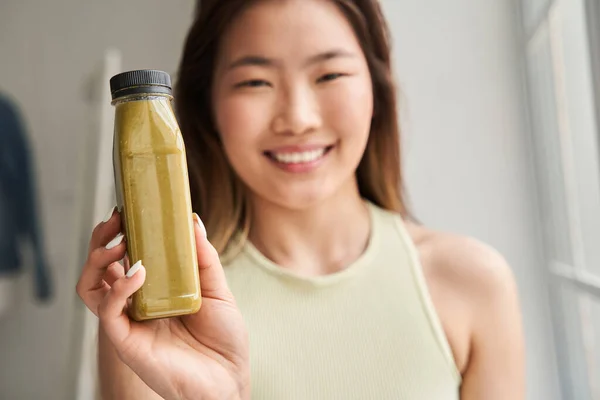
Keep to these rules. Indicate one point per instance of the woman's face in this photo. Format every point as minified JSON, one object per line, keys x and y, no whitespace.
{"x":293,"y":101}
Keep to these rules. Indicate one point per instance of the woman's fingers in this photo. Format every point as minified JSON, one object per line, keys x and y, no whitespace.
{"x":106,"y":230}
{"x":126,"y":264}
{"x":111,"y":310}
{"x":92,"y":287}
{"x":113,"y":272}
{"x":212,"y":277}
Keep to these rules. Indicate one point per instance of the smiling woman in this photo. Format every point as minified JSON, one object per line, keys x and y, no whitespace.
{"x":327,"y":289}
{"x":351,"y":77}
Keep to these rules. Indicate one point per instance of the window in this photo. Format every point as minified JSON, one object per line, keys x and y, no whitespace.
{"x":560,"y":43}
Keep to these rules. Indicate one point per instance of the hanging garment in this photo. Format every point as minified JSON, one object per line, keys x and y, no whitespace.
{"x":18,"y":210}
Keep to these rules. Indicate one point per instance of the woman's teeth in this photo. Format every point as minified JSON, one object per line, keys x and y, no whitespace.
{"x":299,"y":157}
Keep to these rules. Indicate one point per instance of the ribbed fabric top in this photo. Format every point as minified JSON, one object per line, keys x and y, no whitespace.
{"x":369,"y":331}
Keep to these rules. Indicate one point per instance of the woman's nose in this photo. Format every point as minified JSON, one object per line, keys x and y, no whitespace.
{"x":298,"y":114}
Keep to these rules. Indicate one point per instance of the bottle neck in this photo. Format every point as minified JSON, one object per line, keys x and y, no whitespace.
{"x":142,"y":97}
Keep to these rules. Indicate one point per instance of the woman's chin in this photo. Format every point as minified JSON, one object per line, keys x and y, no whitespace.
{"x":298,"y":203}
{"x":299,"y":198}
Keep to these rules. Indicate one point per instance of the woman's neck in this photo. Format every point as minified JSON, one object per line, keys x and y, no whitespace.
{"x":318,"y":240}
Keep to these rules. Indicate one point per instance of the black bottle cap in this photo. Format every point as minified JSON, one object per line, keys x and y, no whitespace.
{"x":140,"y":81}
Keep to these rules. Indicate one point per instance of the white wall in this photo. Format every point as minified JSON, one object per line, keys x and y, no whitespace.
{"x":467,"y":149}
{"x":48,"y":51}
{"x":466,"y":146}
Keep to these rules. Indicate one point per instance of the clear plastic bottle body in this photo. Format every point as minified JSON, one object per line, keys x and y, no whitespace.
{"x":153,"y":195}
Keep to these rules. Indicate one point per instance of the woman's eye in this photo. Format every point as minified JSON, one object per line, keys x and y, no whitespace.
{"x":254,"y":83}
{"x":329,"y":77}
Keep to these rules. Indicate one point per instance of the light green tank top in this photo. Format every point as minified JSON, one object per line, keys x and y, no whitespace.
{"x":367,"y":332}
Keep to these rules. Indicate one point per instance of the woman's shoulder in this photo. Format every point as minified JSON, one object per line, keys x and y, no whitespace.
{"x":464,"y":262}
{"x":471,"y":285}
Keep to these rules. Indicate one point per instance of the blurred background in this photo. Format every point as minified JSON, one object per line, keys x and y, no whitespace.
{"x":500,"y":106}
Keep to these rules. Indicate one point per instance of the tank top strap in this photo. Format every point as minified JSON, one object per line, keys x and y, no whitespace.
{"x":396,"y":235}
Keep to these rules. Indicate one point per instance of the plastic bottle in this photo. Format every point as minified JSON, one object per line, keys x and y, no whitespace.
{"x":153,"y":195}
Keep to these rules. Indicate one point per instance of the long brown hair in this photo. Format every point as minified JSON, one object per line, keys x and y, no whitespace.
{"x":218,"y":194}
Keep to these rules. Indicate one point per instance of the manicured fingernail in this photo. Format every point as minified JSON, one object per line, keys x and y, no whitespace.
{"x":198,"y":221}
{"x":115,"y":242}
{"x":134,"y":268}
{"x":109,"y":215}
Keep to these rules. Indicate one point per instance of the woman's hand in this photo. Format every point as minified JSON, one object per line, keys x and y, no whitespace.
{"x":199,"y":356}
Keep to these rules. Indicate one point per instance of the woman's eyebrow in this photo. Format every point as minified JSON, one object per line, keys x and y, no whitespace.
{"x":253,"y":60}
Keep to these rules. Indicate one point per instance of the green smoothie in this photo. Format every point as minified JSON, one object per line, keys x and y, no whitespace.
{"x":153,"y":195}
